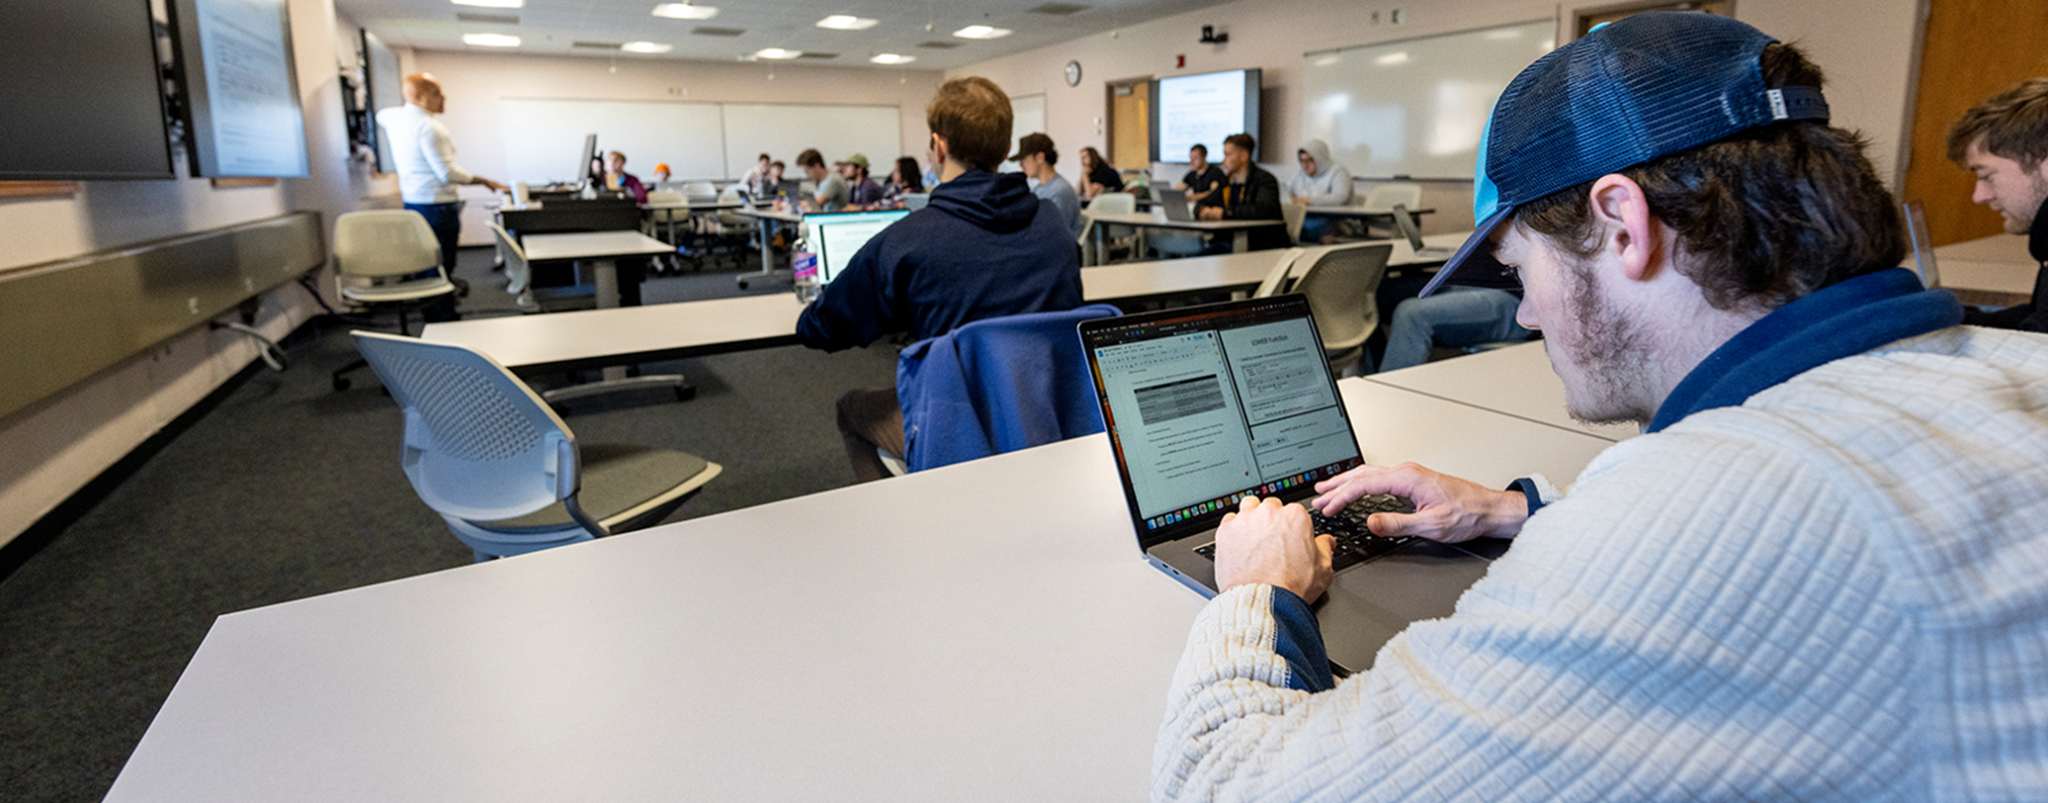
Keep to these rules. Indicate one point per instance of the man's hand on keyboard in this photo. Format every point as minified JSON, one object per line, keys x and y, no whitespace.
{"x":1268,"y":542}
{"x":1447,"y":509}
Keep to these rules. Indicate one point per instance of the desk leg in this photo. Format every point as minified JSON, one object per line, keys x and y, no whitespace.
{"x":767,"y":256}
{"x":606,"y":277}
{"x":1101,"y":244}
{"x":1241,"y":241}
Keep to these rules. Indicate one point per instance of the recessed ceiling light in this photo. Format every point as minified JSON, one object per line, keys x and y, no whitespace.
{"x":891,"y":58}
{"x":981,"y":32}
{"x":685,"y":11}
{"x":646,"y":47}
{"x":846,"y":22}
{"x":490,"y":40}
{"x":776,"y":53}
{"x":491,"y":3}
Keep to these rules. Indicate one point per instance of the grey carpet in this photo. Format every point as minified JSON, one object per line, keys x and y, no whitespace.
{"x":288,"y":489}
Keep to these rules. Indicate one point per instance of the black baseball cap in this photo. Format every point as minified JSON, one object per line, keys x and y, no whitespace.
{"x":1647,"y":86}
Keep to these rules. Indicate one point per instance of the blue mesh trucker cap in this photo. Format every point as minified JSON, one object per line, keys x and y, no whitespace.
{"x":1647,"y":86}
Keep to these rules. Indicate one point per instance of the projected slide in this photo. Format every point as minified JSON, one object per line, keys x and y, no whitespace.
{"x":246,"y":119}
{"x":1200,"y":109}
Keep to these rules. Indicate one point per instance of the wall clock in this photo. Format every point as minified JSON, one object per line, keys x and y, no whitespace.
{"x":1073,"y":73}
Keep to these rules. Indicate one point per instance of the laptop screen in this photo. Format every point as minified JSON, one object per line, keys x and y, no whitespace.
{"x":1923,"y":248}
{"x":1406,"y":223}
{"x":1205,"y":405}
{"x":837,"y":236}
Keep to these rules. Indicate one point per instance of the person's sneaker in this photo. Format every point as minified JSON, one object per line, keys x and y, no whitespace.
{"x":526,"y":302}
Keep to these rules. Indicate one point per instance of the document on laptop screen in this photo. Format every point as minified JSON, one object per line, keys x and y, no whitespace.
{"x":841,"y":238}
{"x":1290,"y":403}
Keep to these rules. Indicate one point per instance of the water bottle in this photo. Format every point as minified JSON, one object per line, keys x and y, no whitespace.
{"x":804,"y":275}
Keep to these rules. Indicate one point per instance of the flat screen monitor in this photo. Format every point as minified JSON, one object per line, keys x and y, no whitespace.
{"x":241,"y":89}
{"x":385,"y":90}
{"x":582,"y":173}
{"x":837,"y":236}
{"x":88,"y":71}
{"x":1203,"y":109}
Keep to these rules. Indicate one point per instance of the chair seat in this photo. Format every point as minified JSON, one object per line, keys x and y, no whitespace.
{"x":401,"y":291}
{"x":621,"y":483}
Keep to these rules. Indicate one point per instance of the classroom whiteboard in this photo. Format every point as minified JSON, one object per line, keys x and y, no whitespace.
{"x":1415,"y":108}
{"x":1027,"y":116}
{"x":836,"y":131}
{"x":544,"y":138}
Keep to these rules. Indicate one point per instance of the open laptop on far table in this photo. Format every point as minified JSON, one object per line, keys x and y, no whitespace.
{"x":1175,"y":204}
{"x":1406,"y":223}
{"x":837,"y":236}
{"x":1923,"y":246}
{"x":1205,"y":405}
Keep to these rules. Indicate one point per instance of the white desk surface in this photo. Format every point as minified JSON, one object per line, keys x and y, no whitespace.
{"x":839,"y":646}
{"x":771,"y":213}
{"x":1516,"y":381}
{"x":1348,"y":210}
{"x":686,"y":205}
{"x":591,"y":245}
{"x":1157,"y":219}
{"x":1996,"y":264}
{"x":563,"y":339}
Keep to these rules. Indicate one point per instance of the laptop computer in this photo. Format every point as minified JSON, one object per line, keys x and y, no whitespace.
{"x":1175,"y":203}
{"x":1923,"y":246}
{"x":836,"y":236}
{"x":1205,"y":405}
{"x":1406,"y":223}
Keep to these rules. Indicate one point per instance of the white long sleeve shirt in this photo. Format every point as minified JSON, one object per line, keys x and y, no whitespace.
{"x":1837,"y":590}
{"x":424,"y":155}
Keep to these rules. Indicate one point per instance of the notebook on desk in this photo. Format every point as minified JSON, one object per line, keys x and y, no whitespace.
{"x":1206,"y":405}
{"x":836,"y":236}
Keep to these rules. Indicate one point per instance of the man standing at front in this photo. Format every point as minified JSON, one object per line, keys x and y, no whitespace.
{"x":2004,"y":143}
{"x":983,"y":247}
{"x":427,"y":173}
{"x":1820,"y":572}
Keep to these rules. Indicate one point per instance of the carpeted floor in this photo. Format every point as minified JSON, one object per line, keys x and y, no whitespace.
{"x":287,"y":489}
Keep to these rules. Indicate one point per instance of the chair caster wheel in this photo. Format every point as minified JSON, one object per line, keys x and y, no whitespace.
{"x":340,"y":384}
{"x":686,"y":393}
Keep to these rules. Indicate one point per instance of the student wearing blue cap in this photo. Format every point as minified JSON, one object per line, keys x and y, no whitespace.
{"x":1817,"y":575}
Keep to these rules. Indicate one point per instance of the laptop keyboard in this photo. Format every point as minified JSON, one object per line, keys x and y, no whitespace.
{"x":1355,"y":543}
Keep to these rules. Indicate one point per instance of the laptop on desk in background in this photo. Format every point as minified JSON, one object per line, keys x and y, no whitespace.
{"x":1175,"y":204}
{"x":836,"y":236}
{"x":1206,"y":405}
{"x":1406,"y":223}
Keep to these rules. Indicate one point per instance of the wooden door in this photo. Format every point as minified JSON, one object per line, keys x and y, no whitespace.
{"x":1973,"y":49}
{"x":1130,"y":124}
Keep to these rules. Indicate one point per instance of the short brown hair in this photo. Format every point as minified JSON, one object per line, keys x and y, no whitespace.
{"x":1765,"y":216}
{"x":1199,"y":147}
{"x":974,"y":117}
{"x":2013,"y":125}
{"x":810,"y":158}
{"x":1038,"y":143}
{"x":1243,"y":142}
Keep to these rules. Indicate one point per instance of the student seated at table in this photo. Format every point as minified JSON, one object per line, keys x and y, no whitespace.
{"x":616,"y":179}
{"x":757,"y":177}
{"x":1453,"y":318}
{"x":1097,"y":176}
{"x":1248,"y":193}
{"x":861,"y":192}
{"x":1322,"y":182}
{"x":2004,"y":143}
{"x":1819,"y":574}
{"x":831,"y":195}
{"x":903,"y":180}
{"x":983,"y":247}
{"x":1203,"y":176}
{"x":1036,"y":155}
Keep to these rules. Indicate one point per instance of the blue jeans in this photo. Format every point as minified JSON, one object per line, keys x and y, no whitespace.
{"x":446,"y":221}
{"x":1457,"y":316}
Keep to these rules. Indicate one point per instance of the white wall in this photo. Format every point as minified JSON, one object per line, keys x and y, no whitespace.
{"x":1865,"y":46}
{"x":57,"y":445}
{"x":475,"y":81}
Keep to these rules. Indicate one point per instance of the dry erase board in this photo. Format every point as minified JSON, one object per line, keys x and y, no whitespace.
{"x":544,"y":137}
{"x":783,"y":131}
{"x":1415,"y":107}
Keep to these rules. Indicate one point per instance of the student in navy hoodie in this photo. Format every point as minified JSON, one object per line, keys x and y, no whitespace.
{"x":984,"y":247}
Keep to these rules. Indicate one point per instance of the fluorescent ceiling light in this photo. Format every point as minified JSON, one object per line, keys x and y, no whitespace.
{"x":490,"y":40}
{"x":646,"y":47}
{"x":685,"y":11}
{"x":776,"y":53}
{"x":491,"y":3}
{"x":891,"y":58}
{"x":846,"y":22}
{"x":981,"y":32}
{"x":1392,"y":59}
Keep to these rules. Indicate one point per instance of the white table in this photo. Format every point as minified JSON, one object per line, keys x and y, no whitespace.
{"x":665,"y":211}
{"x":839,"y":646}
{"x":1516,"y":380}
{"x":566,"y":341}
{"x":602,"y":249}
{"x":767,"y":255}
{"x":1999,"y":264}
{"x":1156,"y":219}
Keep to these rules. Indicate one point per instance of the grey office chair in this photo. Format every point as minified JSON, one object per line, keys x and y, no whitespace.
{"x":1295,"y":215}
{"x":1340,"y":285}
{"x":484,"y":451}
{"x":376,"y":252}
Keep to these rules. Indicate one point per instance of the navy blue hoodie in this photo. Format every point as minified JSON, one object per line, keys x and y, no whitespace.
{"x":984,"y":247}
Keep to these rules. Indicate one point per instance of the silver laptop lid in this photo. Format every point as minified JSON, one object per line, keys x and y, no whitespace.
{"x":1406,"y":223}
{"x":1923,"y":247}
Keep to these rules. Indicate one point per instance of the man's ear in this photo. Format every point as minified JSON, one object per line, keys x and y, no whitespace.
{"x":939,"y":149}
{"x":1628,"y":231}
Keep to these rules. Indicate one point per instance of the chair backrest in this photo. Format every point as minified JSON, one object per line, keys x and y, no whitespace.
{"x":509,"y":248}
{"x":1114,"y":203}
{"x":1340,"y":286}
{"x":997,"y":385}
{"x":479,"y":444}
{"x":1294,"y":214}
{"x":1276,"y":279}
{"x":666,"y":197}
{"x":1385,"y":196}
{"x":733,"y":193}
{"x":384,"y":242}
{"x":700,"y":189}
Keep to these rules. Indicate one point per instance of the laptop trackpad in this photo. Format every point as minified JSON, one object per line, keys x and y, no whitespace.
{"x":1369,"y":603}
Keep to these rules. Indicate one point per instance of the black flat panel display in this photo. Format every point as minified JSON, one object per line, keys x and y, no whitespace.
{"x":81,"y":97}
{"x":235,"y":61}
{"x":381,"y":73}
{"x":1188,"y":110}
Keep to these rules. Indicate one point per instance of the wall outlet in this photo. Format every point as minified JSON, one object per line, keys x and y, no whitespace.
{"x":1397,"y":16}
{"x":1372,"y":17}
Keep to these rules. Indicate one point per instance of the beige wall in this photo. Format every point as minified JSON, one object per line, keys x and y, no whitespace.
{"x":474,"y":82}
{"x":1865,"y":46}
{"x":56,"y":446}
